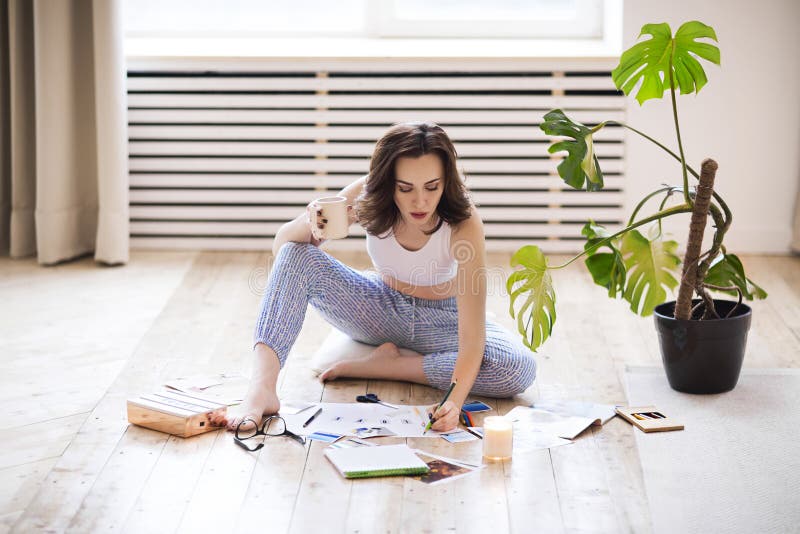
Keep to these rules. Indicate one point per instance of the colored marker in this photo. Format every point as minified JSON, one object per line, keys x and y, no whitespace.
{"x":446,"y":396}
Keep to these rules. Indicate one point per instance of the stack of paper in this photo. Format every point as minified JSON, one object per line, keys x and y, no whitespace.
{"x":560,"y":419}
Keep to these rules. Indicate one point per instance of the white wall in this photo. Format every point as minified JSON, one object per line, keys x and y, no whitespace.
{"x":747,"y":117}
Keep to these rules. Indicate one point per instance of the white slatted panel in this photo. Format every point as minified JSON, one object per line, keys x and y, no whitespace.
{"x":221,"y":156}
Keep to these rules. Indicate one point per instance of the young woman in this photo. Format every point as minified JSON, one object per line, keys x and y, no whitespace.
{"x":424,"y":306}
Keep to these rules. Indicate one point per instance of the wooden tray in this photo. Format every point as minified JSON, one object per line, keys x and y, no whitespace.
{"x":174,"y":412}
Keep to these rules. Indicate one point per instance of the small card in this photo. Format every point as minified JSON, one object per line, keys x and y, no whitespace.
{"x":442,"y":470}
{"x":459,"y":435}
{"x":475,"y":406}
{"x":649,"y":419}
{"x":325,"y":437}
{"x":373,"y":432}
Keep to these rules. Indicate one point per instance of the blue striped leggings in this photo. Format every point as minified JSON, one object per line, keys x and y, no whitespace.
{"x":361,"y":305}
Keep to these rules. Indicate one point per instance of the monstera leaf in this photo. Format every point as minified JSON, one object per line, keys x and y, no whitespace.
{"x":537,"y":313}
{"x":580,"y":165}
{"x":650,"y":61}
{"x":727,"y":270}
{"x":607,"y":268}
{"x":651,"y":267}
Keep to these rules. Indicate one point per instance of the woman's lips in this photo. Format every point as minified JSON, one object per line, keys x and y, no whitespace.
{"x":418,"y":215}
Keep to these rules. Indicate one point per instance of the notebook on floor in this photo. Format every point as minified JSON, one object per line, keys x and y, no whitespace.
{"x":380,"y":461}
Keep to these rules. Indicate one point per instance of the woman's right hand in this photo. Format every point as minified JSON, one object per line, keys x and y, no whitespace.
{"x":315,"y":222}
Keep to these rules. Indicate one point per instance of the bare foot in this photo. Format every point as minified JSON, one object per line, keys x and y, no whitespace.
{"x":372,"y":366}
{"x":259,"y":401}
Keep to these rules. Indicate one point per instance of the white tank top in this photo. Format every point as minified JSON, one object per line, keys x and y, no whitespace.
{"x":431,"y":265}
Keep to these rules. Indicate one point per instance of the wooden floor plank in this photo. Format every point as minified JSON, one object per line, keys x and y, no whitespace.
{"x":776,"y":320}
{"x":377,"y":503}
{"x":112,"y":495}
{"x":275,"y":482}
{"x":67,"y":394}
{"x":488,"y":486}
{"x":38,"y":441}
{"x":530,"y":484}
{"x":428,"y":508}
{"x":584,"y":495}
{"x":162,"y":500}
{"x":18,"y":486}
{"x":324,"y":495}
{"x":220,"y":488}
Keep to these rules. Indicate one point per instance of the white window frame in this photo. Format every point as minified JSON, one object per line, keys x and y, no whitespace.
{"x":384,"y":20}
{"x":609,"y":44}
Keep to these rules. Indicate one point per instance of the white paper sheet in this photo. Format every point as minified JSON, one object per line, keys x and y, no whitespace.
{"x":600,"y":414}
{"x":345,"y":418}
{"x":225,"y":388}
{"x":527,"y":438}
{"x":553,"y":424}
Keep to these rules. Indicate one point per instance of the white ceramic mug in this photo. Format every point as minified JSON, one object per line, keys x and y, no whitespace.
{"x":334,"y":209}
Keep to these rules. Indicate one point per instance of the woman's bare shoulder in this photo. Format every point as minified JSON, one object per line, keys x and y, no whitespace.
{"x":471,"y":227}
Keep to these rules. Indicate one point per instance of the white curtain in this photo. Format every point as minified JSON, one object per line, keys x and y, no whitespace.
{"x":796,"y":231}
{"x":63,"y":142}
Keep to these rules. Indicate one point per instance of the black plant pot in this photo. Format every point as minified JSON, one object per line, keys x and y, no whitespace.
{"x":703,"y":356}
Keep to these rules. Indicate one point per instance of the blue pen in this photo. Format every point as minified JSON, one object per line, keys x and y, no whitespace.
{"x":312,"y":418}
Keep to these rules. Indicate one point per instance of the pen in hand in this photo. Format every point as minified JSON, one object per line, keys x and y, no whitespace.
{"x":446,"y":396}
{"x":312,"y":417}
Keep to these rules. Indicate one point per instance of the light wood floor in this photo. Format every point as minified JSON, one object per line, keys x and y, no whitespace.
{"x":76,"y":340}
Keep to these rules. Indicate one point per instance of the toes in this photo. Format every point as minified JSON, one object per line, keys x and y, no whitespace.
{"x":233,"y":423}
{"x":326,"y":375}
{"x":219,"y":421}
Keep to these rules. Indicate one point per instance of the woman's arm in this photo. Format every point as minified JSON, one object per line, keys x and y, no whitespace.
{"x":468,"y":246}
{"x":299,"y":230}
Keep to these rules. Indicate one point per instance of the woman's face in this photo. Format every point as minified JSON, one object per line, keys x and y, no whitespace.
{"x":419,"y":183}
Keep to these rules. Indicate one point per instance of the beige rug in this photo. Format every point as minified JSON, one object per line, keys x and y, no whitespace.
{"x":735,"y":467}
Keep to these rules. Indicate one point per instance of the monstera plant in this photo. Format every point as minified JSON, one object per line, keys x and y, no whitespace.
{"x":702,"y":339}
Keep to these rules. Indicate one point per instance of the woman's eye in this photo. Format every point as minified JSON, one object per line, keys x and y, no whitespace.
{"x":432,"y":188}
{"x":405,"y":190}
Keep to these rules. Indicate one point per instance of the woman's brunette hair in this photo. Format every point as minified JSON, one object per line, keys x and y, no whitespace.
{"x":377,"y":211}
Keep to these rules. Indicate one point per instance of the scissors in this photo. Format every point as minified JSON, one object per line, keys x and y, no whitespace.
{"x":371,"y":397}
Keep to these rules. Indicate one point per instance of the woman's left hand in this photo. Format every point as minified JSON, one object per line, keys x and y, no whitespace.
{"x":445,"y":418}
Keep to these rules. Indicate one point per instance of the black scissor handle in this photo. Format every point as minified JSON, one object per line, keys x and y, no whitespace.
{"x":369,"y":397}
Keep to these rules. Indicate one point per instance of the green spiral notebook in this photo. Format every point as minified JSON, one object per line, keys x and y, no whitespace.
{"x":380,"y":461}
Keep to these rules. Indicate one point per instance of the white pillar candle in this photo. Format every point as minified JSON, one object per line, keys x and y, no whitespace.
{"x":497,"y":438}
